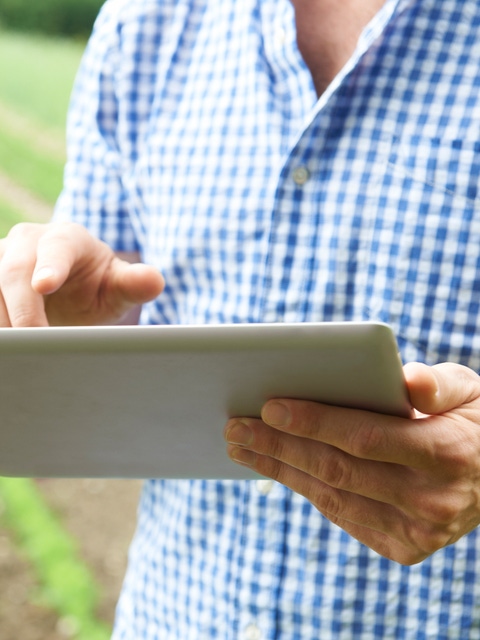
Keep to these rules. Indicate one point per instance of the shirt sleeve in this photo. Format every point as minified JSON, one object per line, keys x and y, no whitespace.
{"x":93,"y":194}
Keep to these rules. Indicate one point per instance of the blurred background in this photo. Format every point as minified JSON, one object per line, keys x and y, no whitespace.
{"x":63,"y":543}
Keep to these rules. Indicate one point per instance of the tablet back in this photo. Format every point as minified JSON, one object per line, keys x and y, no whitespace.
{"x":152,"y":401}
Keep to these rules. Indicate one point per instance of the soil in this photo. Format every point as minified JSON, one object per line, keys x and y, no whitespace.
{"x":101,"y":515}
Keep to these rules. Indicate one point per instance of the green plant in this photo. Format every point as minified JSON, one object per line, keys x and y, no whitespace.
{"x":66,"y":584}
{"x":66,"y":17}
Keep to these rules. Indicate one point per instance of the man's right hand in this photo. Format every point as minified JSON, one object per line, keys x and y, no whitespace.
{"x":59,"y":274}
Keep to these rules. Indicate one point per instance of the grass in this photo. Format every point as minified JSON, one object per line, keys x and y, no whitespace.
{"x":36,"y":78}
{"x":36,"y":75}
{"x":66,"y":584}
{"x":38,"y":172}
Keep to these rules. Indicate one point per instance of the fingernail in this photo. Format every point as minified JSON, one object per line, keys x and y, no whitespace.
{"x":276,"y":414}
{"x":43,"y":273}
{"x":244,"y":456}
{"x":239,"y":433}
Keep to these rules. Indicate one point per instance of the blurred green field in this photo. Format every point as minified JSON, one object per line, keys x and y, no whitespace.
{"x":36,"y":171}
{"x":36,"y":77}
{"x":9,"y":216}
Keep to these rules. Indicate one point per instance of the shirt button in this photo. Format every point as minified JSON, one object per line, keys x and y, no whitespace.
{"x":264,"y":486}
{"x":252,"y":632}
{"x":281,"y":36}
{"x":300,"y":175}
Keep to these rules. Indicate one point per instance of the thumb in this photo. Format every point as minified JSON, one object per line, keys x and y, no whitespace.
{"x":441,"y":388}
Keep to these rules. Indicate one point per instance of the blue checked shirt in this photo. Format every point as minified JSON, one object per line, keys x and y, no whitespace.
{"x":196,"y":138}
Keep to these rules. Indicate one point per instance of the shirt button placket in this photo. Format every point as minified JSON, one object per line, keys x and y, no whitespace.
{"x":264,"y":486}
{"x":281,"y":36}
{"x":252,"y":632}
{"x":300,"y":175}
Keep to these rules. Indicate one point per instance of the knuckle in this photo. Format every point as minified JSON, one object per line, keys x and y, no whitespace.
{"x":275,"y":447}
{"x":366,"y":439}
{"x":23,"y":316}
{"x":12,"y":267}
{"x":439,"y":505}
{"x":271,"y":468}
{"x":65,"y":233}
{"x":424,"y":539}
{"x":328,"y":503}
{"x":22,"y":230}
{"x":442,"y":513}
{"x":61,"y":230}
{"x":453,"y":453}
{"x":17,"y":254}
{"x":410,"y":558}
{"x":467,"y":378}
{"x":335,"y":471}
{"x":433,"y":540}
{"x":311,"y":421}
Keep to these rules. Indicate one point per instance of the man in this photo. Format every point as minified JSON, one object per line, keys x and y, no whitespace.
{"x":281,"y":161}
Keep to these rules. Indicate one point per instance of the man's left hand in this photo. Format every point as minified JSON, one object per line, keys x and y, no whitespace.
{"x":405,"y":488}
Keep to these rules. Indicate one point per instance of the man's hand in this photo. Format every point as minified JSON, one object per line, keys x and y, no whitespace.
{"x":59,"y":274}
{"x":405,"y":488}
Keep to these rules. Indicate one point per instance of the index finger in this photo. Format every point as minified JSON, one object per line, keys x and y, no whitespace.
{"x":61,"y":247}
{"x":362,"y":434}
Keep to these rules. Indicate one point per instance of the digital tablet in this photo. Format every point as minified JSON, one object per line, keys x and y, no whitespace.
{"x":152,"y":401}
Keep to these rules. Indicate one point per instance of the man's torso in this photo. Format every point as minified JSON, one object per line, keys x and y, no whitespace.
{"x":259,"y":202}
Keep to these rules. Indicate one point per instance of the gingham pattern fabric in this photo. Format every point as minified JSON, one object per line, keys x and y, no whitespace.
{"x":196,"y":138}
